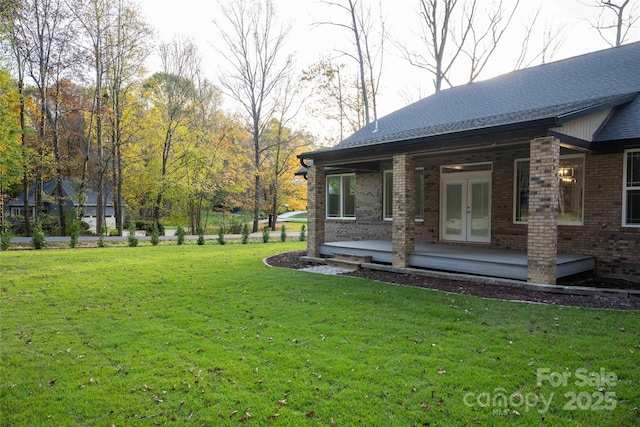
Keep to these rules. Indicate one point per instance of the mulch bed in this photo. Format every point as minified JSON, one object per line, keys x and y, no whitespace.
{"x":293,"y":260}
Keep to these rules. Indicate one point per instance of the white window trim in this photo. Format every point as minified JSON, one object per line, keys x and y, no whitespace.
{"x":626,"y":188}
{"x":341,"y":217}
{"x":385,"y":194}
{"x":515,"y":188}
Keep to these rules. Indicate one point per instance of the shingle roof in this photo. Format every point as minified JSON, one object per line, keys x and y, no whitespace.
{"x":542,"y":92}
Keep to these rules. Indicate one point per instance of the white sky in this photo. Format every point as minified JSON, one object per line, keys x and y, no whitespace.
{"x":194,"y":19}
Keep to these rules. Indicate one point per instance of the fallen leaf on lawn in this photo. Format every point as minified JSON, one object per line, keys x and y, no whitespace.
{"x":441,"y":370}
{"x":283,"y":402}
{"x":274,"y":415}
{"x":310,"y":414}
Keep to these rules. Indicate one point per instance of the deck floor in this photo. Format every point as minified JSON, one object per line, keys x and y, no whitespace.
{"x":484,"y":261}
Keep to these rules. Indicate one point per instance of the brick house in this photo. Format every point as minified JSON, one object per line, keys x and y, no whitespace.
{"x":541,"y":164}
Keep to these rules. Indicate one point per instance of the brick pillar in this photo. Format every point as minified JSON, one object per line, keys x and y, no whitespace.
{"x":542,"y":243}
{"x":403,"y":229}
{"x":316,"y":210}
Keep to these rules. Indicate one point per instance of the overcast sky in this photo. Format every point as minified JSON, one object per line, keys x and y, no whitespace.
{"x":400,"y":81}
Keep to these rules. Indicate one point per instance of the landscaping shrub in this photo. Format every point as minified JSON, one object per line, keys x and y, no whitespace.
{"x":245,"y":234}
{"x":155,"y":234}
{"x":283,"y":234}
{"x":103,"y":232}
{"x":75,"y":233}
{"x":265,"y":234}
{"x":221,"y":235}
{"x":303,"y":233}
{"x":132,"y":239}
{"x":180,"y":233}
{"x":200,"y":236}
{"x":38,"y":241}
{"x":5,"y":238}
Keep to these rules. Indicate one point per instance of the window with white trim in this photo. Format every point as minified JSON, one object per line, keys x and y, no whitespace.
{"x":341,"y":196}
{"x":570,"y":190}
{"x":387,"y":196}
{"x":631,"y":189}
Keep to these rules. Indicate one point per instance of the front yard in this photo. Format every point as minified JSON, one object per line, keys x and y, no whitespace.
{"x":208,"y":335}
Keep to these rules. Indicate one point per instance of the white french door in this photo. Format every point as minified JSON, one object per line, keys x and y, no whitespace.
{"x":466,"y":207}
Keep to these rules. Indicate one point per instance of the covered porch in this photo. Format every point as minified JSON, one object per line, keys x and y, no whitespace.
{"x":503,"y":263}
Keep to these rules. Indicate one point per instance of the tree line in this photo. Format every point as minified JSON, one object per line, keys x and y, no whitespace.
{"x":77,"y":102}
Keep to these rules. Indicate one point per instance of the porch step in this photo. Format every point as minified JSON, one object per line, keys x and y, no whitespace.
{"x":348,"y":261}
{"x":344,"y":263}
{"x":352,"y":257}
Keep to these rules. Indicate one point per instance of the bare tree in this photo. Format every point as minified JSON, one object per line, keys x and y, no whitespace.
{"x":93,"y":16}
{"x":175,"y":88}
{"x":254,"y":46}
{"x":369,"y":49}
{"x":626,"y":16}
{"x":127,"y":48}
{"x":552,"y":39}
{"x":444,"y":41}
{"x":41,"y":46}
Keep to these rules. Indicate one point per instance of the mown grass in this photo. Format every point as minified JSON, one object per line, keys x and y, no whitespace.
{"x":208,"y":335}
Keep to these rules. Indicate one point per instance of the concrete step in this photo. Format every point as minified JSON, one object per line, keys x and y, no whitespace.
{"x":351,"y":257}
{"x":344,"y":263}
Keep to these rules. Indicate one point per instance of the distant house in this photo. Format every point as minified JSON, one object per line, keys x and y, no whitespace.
{"x":532,"y":175}
{"x":70,"y":191}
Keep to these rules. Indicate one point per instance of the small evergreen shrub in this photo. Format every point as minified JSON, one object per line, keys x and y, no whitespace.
{"x":283,"y":234}
{"x":180,"y":233}
{"x":103,"y":232}
{"x":303,"y":233}
{"x":200,"y":236}
{"x":155,"y":235}
{"x":132,"y":239}
{"x":245,"y":234}
{"x":5,"y":238}
{"x":221,"y":235}
{"x":38,"y":241}
{"x":75,"y":233}
{"x":265,"y":234}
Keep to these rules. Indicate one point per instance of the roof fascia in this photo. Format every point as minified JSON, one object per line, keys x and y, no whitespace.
{"x":405,"y":145}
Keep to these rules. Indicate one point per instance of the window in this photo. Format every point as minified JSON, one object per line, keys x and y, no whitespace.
{"x":419,"y":199}
{"x":570,"y":190}
{"x":341,"y":196}
{"x":631,"y":189}
{"x":387,"y":198}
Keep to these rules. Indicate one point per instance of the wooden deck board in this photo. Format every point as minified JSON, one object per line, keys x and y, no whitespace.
{"x":462,"y":259}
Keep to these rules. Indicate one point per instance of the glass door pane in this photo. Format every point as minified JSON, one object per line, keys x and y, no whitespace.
{"x":479,"y":213}
{"x":454,"y":210}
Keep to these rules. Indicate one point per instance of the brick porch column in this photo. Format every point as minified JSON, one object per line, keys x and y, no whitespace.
{"x":542,"y":243}
{"x":403,"y":228}
{"x":316,"y":211}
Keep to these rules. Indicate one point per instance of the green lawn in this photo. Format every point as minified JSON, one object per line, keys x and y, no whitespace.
{"x":208,"y":335}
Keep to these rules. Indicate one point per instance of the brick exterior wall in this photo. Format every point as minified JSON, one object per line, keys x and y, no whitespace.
{"x":616,"y":248}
